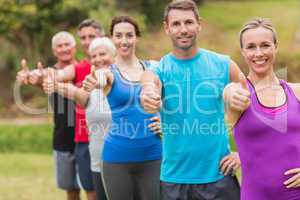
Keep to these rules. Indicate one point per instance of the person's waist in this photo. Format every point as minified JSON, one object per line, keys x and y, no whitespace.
{"x":133,"y":142}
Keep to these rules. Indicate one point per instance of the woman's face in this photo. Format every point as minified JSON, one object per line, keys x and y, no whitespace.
{"x":259,"y":50}
{"x":101,"y":57}
{"x":124,"y":38}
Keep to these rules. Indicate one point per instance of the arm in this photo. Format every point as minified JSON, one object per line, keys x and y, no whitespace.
{"x":151,"y":92}
{"x":72,"y":92}
{"x":234,"y":71}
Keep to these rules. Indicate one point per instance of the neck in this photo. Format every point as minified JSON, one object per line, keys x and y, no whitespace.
{"x":185,"y":53}
{"x":129,"y":61}
{"x":62,"y":64}
{"x":263,"y":80}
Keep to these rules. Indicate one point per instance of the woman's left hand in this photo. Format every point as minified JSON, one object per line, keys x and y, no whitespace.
{"x":294,"y":181}
{"x":230,"y":163}
{"x":155,"y":125}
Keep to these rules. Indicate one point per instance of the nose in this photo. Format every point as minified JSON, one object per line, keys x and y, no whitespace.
{"x":123,"y":40}
{"x":258,"y":51}
{"x":183,"y":28}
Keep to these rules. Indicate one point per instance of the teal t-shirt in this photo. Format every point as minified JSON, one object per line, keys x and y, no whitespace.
{"x":195,"y":135}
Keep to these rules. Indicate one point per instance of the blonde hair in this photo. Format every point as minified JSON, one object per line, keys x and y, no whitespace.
{"x":256,"y":23}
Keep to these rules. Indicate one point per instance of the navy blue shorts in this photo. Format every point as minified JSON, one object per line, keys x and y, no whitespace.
{"x":83,"y":161}
{"x":227,"y":188}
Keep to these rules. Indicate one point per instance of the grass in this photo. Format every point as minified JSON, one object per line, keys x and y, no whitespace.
{"x":26,"y":138}
{"x":28,"y":177}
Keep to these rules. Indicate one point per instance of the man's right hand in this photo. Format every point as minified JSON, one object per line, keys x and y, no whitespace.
{"x":150,"y":98}
{"x":237,"y":95}
{"x":49,"y":84}
{"x":23,"y":75}
{"x":36,"y":75}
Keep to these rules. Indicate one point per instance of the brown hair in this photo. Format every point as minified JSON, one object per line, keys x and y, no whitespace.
{"x":91,"y":23}
{"x":256,"y":23}
{"x":124,"y":19}
{"x":182,"y":5}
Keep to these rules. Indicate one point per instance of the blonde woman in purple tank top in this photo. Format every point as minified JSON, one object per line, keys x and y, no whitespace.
{"x":264,"y":113}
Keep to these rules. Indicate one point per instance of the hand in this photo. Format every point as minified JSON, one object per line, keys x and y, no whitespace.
{"x":49,"y":83}
{"x":155,"y":125}
{"x":150,"y":99}
{"x":23,"y":74}
{"x":90,"y":82}
{"x":229,"y":163}
{"x":294,"y":181}
{"x":36,"y":76}
{"x":238,"y":97}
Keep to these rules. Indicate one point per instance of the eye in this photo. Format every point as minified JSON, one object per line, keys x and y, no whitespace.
{"x":250,"y":47}
{"x":176,"y":24}
{"x":189,"y":22}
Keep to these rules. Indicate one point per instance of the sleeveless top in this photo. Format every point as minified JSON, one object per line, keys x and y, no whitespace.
{"x":269,"y":144}
{"x":129,"y":138}
{"x":98,"y":119}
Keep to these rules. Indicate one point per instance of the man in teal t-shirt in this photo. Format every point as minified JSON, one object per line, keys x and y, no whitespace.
{"x":187,"y":88}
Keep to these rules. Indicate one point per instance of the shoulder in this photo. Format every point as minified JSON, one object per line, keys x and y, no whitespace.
{"x":296,"y":89}
{"x":214,"y":55}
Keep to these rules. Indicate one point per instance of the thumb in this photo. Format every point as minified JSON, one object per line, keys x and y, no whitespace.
{"x":243,"y":81}
{"x":24,"y":65}
{"x":40,"y":65}
{"x":93,"y":73}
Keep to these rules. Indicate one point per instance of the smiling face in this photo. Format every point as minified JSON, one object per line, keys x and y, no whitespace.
{"x":259,"y":50}
{"x":86,"y":35}
{"x":64,"y":50}
{"x":125,"y":39}
{"x":182,"y":27}
{"x":101,"y":57}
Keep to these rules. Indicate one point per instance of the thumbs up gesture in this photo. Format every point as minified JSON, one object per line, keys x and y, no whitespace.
{"x":49,"y":81}
{"x":23,"y":75}
{"x":237,"y":95}
{"x":36,"y":76}
{"x":90,"y":80}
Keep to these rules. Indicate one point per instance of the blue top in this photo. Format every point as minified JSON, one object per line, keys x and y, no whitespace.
{"x":129,"y":139}
{"x":195,"y":135}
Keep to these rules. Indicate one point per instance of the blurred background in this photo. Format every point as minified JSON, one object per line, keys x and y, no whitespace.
{"x":26,"y":28}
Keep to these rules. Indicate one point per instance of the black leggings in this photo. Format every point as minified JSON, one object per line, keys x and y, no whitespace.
{"x":98,"y":186}
{"x":132,"y":181}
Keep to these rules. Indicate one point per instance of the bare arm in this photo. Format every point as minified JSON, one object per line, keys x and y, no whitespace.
{"x":151,"y":92}
{"x":72,"y":92}
{"x":234,"y":71}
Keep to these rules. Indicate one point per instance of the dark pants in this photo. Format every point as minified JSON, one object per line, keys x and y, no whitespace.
{"x":98,"y":186}
{"x":227,"y":188}
{"x":127,"y":181}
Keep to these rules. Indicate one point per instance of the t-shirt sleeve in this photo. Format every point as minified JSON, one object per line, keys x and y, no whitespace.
{"x":156,"y":68}
{"x":224,"y":63}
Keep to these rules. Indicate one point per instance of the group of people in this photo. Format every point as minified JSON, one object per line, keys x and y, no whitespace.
{"x":133,"y":129}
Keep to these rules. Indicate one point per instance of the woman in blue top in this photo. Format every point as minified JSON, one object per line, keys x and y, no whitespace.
{"x":131,"y":152}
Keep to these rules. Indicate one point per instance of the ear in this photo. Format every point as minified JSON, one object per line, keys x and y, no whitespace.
{"x":199,"y":26}
{"x":167,"y":31}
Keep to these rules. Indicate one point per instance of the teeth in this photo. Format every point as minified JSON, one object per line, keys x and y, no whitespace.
{"x":259,"y":62}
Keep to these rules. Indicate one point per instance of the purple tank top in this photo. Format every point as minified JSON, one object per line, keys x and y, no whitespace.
{"x":269,"y":144}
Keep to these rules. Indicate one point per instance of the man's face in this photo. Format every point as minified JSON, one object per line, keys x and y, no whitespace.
{"x":86,"y":35}
{"x":182,"y":27}
{"x":64,"y":50}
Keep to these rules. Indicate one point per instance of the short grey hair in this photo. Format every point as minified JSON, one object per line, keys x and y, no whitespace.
{"x":104,"y":41}
{"x":63,"y":35}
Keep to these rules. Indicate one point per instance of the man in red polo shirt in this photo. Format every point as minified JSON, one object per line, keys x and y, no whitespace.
{"x":87,"y":31}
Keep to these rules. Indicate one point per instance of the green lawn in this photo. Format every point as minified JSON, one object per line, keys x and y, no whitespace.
{"x":25,"y":176}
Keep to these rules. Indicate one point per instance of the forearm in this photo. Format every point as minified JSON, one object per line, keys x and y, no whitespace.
{"x":67,"y":90}
{"x":81,"y":97}
{"x":149,"y":79}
